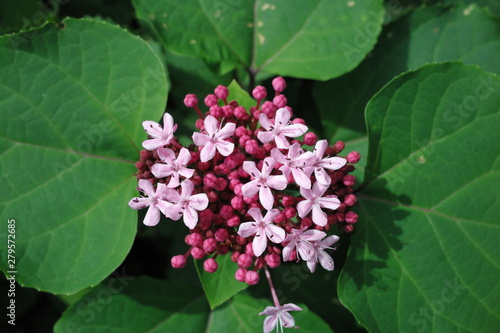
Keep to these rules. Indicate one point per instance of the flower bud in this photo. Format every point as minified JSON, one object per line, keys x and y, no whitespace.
{"x":210,"y":100}
{"x":252,"y":278}
{"x":178,"y":261}
{"x":279,"y":84}
{"x":353,"y":157}
{"x":190,"y":100}
{"x":259,"y":93}
{"x":210,"y":265}
{"x":221,"y":92}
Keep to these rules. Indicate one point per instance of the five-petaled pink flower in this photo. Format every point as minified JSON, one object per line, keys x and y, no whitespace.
{"x":173,"y":167}
{"x":280,"y":129}
{"x":302,"y":241}
{"x":155,"y":201}
{"x":214,"y":139}
{"x":314,"y":201}
{"x":279,"y":316}
{"x":263,"y":228}
{"x":320,"y":164}
{"x":262,"y":182}
{"x":294,"y":163}
{"x":321,"y":255}
{"x":185,"y":204}
{"x":159,"y":136}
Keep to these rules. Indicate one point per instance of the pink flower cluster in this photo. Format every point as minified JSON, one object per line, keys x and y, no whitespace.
{"x":255,"y":183}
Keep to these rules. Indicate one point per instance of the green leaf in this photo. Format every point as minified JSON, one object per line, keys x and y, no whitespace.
{"x":127,"y":304}
{"x":242,"y":312}
{"x":421,"y":37}
{"x":73,"y":98}
{"x":317,"y":39}
{"x":426,"y":255}
{"x":220,"y":285}
{"x":23,"y":15}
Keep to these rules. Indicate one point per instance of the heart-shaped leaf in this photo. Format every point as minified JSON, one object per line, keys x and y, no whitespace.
{"x":317,"y":39}
{"x":426,"y":255}
{"x":73,"y":98}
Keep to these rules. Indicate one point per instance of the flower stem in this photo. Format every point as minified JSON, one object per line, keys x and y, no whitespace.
{"x":271,"y":286}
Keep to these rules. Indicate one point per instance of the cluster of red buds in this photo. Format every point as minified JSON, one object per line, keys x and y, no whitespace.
{"x":255,"y":184}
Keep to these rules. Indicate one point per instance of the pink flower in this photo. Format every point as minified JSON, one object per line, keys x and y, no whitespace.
{"x":263,"y":228}
{"x":155,"y":201}
{"x":315,"y":201}
{"x":330,"y":163}
{"x":262,"y":182}
{"x":185,"y":204}
{"x":294,"y":163}
{"x":301,"y":241}
{"x":159,"y":136}
{"x":280,"y":129}
{"x":214,"y":139}
{"x":279,"y":316}
{"x":173,"y":167}
{"x":321,"y":255}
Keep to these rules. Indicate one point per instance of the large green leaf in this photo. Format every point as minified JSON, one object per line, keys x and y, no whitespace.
{"x":73,"y":98}
{"x":317,"y":39}
{"x":220,"y":285}
{"x":423,"y":36}
{"x":426,"y":255}
{"x":128,"y":304}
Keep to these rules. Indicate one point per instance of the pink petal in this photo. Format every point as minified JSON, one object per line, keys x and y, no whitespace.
{"x":184,"y":157}
{"x":330,"y":240}
{"x":287,"y":250}
{"x":268,"y":166}
{"x":294,"y":130}
{"x":266,"y":137}
{"x":301,"y":178}
{"x":304,"y":207}
{"x":322,"y":177}
{"x":250,"y":189}
{"x":266,"y":197}
{"x":269,"y":311}
{"x":265,"y":122}
{"x":152,"y":128}
{"x":256,"y":214}
{"x":140,"y":203}
{"x":270,"y":323}
{"x":200,"y":139}
{"x":333,"y":163}
{"x":287,"y":319}
{"x":226,"y":131}
{"x":152,"y":144}
{"x":320,"y":148}
{"x":168,"y":123}
{"x":247,"y":229}
{"x":318,"y":216}
{"x":190,"y":217}
{"x":275,"y":233}
{"x":278,"y":156}
{"x":161,"y":170}
{"x":318,"y":189}
{"x":313,"y":235}
{"x":270,"y":215}
{"x":187,"y":187}
{"x":147,"y":188}
{"x":306,"y":193}
{"x":326,"y":261}
{"x":166,"y":155}
{"x":225,"y":147}
{"x":278,"y":182}
{"x":198,"y":201}
{"x":330,"y":202}
{"x":207,"y":152}
{"x":306,"y":250}
{"x":186,"y":173}
{"x":259,"y":244}
{"x":175,"y":212}
{"x":211,"y":125}
{"x":281,"y":141}
{"x":291,"y":307}
{"x":250,"y":168}
{"x":311,"y":264}
{"x":164,"y":207}
{"x":282,"y":116}
{"x":174,"y":180}
{"x":172,"y":195}
{"x":152,"y":216}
